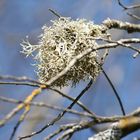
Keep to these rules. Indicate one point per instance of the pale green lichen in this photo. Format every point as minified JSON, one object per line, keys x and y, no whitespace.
{"x":59,"y":44}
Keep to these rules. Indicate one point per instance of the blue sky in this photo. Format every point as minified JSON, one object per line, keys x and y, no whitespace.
{"x":20,"y":18}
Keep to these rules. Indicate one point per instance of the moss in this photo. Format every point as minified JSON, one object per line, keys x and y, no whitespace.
{"x":59,"y":44}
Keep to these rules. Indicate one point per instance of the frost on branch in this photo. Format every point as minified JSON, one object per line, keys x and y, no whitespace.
{"x":59,"y":44}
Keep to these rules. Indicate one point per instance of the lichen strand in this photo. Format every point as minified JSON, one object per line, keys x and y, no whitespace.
{"x":59,"y":44}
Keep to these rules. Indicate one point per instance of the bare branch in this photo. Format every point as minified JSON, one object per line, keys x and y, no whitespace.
{"x":133,"y":6}
{"x":21,"y":106}
{"x":119,"y":129}
{"x":61,"y":129}
{"x":80,"y":104}
{"x":41,"y":104}
{"x":21,"y":119}
{"x":120,"y":3}
{"x":130,"y":7}
{"x":20,"y":83}
{"x":19,"y":79}
{"x":59,"y":115}
{"x":30,"y":82}
{"x":115,"y":91}
{"x":129,"y":27}
{"x":55,"y":13}
{"x":133,"y":15}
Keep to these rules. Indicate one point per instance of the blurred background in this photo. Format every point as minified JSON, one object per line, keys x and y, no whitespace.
{"x":19,"y":19}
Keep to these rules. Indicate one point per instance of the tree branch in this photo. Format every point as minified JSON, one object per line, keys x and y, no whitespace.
{"x":129,"y":27}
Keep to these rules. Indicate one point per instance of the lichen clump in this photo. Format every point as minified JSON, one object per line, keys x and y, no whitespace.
{"x":59,"y":44}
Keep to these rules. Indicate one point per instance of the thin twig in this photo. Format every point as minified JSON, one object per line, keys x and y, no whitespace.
{"x":80,"y":104}
{"x":21,"y":119}
{"x":126,"y":43}
{"x":20,"y":83}
{"x":136,"y":112}
{"x":133,"y":6}
{"x":11,"y":114}
{"x":115,"y":91}
{"x":19,"y":79}
{"x":130,"y":7}
{"x":120,"y":3}
{"x":59,"y":115}
{"x":55,"y":13}
{"x":129,"y":27}
{"x":56,"y":132}
{"x":133,"y":15}
{"x":21,"y":106}
{"x":41,"y":104}
{"x":30,"y":82}
{"x":75,"y":128}
{"x":113,"y":88}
